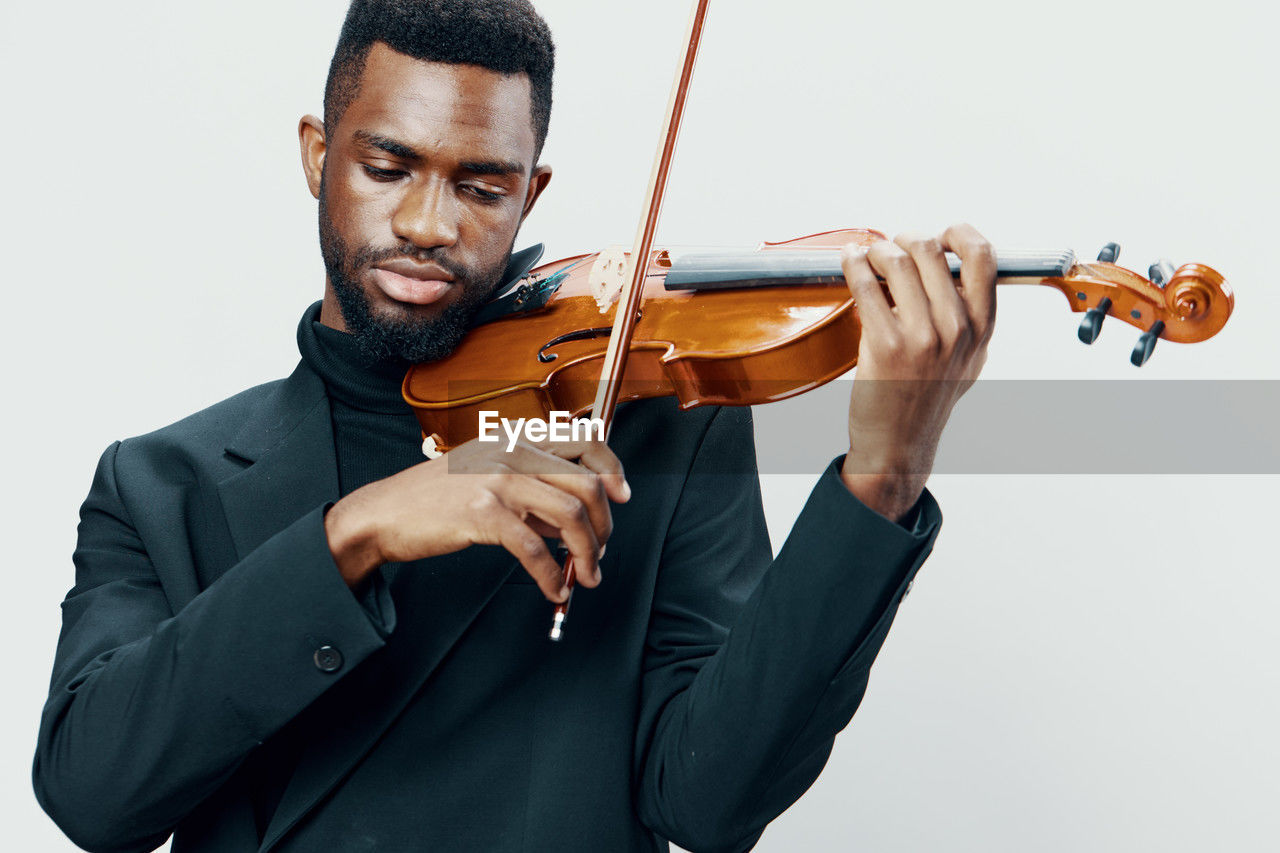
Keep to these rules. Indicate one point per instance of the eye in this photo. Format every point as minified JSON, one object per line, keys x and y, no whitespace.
{"x":382,"y":174}
{"x":482,"y":194}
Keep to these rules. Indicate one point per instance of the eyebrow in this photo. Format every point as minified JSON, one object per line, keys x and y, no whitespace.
{"x":387,"y":144}
{"x":405,"y":152}
{"x":493,"y":167}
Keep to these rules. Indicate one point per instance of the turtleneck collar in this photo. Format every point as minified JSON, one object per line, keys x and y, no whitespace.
{"x":348,"y":373}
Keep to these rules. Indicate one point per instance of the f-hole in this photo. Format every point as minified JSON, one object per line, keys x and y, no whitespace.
{"x":580,"y":335}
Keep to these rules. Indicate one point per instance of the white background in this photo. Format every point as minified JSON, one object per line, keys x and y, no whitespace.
{"x":1086,"y":663}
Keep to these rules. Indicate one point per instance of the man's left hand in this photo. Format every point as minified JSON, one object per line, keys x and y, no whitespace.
{"x":915,"y":358}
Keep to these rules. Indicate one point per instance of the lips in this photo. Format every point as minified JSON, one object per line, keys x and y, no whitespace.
{"x":417,"y":285}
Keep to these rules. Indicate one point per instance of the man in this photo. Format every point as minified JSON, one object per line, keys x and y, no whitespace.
{"x":289,"y":633}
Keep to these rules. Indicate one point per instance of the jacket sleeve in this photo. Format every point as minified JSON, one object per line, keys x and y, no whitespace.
{"x":752,"y":668}
{"x":150,"y":710}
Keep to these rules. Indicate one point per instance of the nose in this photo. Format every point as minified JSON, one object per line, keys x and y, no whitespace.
{"x":427,"y":216}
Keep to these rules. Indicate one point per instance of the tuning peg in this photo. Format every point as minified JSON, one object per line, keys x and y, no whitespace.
{"x":1160,"y":272}
{"x":1146,"y":344}
{"x":1110,"y":253}
{"x":1091,"y":325}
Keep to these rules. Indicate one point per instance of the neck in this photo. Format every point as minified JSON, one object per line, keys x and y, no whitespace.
{"x":748,"y":268}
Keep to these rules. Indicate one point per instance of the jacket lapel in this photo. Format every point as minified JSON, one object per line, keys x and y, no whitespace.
{"x":293,"y":469}
{"x":289,"y":443}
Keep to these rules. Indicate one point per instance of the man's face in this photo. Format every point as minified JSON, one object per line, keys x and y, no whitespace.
{"x":422,"y":187}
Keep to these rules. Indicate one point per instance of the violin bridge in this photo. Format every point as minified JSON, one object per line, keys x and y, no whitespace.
{"x":607,"y":276}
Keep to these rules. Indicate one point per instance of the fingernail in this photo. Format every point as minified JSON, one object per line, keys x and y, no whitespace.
{"x":564,"y":593}
{"x":598,"y":576}
{"x":626,"y":490}
{"x":602,"y":550}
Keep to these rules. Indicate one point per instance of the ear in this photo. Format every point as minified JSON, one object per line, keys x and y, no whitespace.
{"x":537,"y":183}
{"x":312,"y":145}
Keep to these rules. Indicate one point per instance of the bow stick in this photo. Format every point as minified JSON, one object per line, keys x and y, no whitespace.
{"x":628,"y":303}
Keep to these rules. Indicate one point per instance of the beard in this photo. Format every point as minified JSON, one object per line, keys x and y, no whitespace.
{"x":407,"y":338}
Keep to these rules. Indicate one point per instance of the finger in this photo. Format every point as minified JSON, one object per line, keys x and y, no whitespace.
{"x":527,"y":546}
{"x":581,"y":482}
{"x":603,"y":461}
{"x":561,"y":553}
{"x":546,"y":531}
{"x":896,"y":267}
{"x":564,"y":513}
{"x":873,"y":308}
{"x":596,"y":456}
{"x":977,"y":275}
{"x":572,"y":450}
{"x":948,"y":310}
{"x":935,"y":275}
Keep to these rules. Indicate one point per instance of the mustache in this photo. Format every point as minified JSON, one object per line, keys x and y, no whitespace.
{"x":368,"y":256}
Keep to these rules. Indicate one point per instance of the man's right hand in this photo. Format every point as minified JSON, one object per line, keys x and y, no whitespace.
{"x":480,"y":494}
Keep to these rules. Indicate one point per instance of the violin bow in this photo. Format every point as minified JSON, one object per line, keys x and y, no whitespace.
{"x":628,"y":301}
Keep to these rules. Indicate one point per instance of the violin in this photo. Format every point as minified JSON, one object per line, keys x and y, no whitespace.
{"x":589,"y":332}
{"x":741,"y":328}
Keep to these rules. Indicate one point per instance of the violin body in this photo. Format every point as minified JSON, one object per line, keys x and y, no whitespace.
{"x":735,"y":345}
{"x":728,"y":347}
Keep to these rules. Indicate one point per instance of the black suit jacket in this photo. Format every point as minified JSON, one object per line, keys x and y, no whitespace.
{"x":695,"y":697}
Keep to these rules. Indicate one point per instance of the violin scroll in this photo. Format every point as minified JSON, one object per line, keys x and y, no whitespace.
{"x":1199,"y":297}
{"x":1186,"y":305}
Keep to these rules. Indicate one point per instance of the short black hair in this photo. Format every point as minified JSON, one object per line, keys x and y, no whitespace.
{"x":506,"y":36}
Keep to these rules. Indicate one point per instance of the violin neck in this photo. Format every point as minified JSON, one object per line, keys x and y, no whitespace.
{"x":716,"y":270}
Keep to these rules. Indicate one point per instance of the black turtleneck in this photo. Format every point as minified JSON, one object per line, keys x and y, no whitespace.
{"x":375,"y":433}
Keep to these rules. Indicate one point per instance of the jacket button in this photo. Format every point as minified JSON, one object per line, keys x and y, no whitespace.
{"x":328,"y":659}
